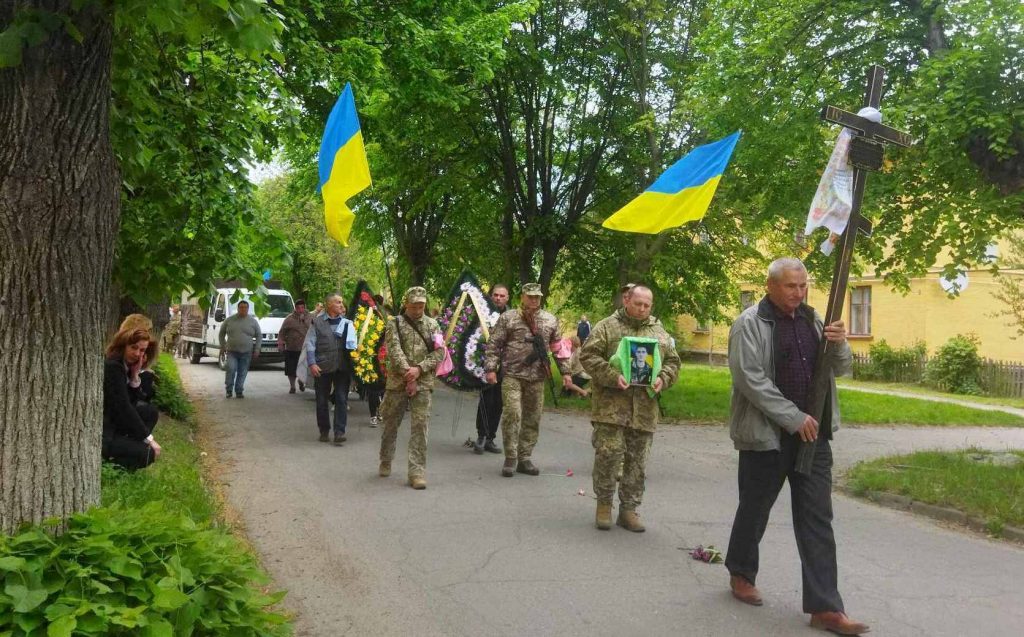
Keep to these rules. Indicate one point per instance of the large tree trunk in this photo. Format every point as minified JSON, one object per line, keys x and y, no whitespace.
{"x":58,"y":221}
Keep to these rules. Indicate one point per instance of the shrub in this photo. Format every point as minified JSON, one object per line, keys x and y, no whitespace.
{"x":132,"y":571}
{"x":170,"y":396}
{"x":956,"y":366}
{"x":893,"y":364}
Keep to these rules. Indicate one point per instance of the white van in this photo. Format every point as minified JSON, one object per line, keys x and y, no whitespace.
{"x":201,"y":329}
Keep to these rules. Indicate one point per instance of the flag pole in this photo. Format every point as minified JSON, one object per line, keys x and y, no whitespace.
{"x":387,"y":271}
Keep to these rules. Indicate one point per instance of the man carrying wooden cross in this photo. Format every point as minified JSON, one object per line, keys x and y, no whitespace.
{"x":783,"y":371}
{"x":772,"y":351}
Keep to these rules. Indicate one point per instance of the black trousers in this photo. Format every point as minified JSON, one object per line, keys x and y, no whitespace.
{"x":327,"y":386}
{"x":761,"y":474}
{"x":488,"y":412}
{"x":374,"y":397}
{"x":128,"y":452}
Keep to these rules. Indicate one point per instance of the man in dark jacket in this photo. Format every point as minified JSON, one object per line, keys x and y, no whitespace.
{"x":773,"y":347}
{"x":488,"y":411}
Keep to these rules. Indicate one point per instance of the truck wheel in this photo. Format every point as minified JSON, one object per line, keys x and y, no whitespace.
{"x":222,"y":360}
{"x":195,"y":353}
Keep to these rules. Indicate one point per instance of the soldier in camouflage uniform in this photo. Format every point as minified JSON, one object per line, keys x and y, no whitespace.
{"x":624,"y":417}
{"x":172,"y":333}
{"x":522,"y":391}
{"x":412,"y":359}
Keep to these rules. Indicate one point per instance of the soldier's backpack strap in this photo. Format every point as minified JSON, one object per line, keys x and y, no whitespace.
{"x":426,"y":341}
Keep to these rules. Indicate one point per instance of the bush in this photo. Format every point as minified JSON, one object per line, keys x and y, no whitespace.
{"x":170,"y":396}
{"x":956,"y":366}
{"x":120,"y":571}
{"x":893,"y":365}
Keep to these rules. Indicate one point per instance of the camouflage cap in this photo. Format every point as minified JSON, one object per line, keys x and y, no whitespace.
{"x":416,"y":295}
{"x":532,"y":289}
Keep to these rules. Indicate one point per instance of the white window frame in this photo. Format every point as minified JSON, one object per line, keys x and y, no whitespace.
{"x":860,"y":310}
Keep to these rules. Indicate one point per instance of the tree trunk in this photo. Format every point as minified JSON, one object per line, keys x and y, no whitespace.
{"x":58,"y":222}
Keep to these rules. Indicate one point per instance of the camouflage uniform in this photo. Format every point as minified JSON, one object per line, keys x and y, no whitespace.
{"x":406,"y":348}
{"x":624,"y":420}
{"x":171,"y":335}
{"x":522,"y":389}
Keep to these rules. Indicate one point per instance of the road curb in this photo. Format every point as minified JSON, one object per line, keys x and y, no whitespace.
{"x":935,"y":512}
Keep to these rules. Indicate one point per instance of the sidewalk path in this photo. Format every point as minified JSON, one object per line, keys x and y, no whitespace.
{"x":478,"y":554}
{"x":963,"y":402}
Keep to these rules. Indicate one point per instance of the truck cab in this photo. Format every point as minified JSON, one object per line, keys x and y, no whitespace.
{"x":205,"y":341}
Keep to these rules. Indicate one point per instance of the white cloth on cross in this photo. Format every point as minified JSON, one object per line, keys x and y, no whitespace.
{"x":833,"y":200}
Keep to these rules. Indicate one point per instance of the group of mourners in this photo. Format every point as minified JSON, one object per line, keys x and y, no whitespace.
{"x":773,"y":346}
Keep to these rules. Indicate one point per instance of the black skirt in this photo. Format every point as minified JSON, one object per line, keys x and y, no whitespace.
{"x":291,"y":362}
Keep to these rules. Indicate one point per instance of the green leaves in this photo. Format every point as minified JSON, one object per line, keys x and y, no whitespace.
{"x":159,"y":574}
{"x":24,"y":599}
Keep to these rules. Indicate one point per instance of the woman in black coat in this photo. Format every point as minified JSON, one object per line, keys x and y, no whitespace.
{"x":127,"y":423}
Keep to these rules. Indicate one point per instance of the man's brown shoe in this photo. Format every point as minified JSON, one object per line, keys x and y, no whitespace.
{"x":527,"y":467}
{"x":745,"y":591}
{"x":604,"y":516}
{"x":838,"y":623}
{"x":385,"y":468}
{"x":339,"y":440}
{"x":325,"y":438}
{"x":418,"y":482}
{"x":509,"y":468}
{"x":630,"y":521}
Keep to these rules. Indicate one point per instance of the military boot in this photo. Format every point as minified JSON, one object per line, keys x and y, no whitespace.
{"x":385,"y":468}
{"x":527,"y":467}
{"x":629,"y":520}
{"x":478,"y":446}
{"x":604,"y":516}
{"x":509,"y":468}
{"x":418,"y":482}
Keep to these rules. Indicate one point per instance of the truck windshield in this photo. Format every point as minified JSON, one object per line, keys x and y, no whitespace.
{"x":280,"y":306}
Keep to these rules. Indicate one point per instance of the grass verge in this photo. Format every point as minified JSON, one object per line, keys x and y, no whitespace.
{"x":702,"y":395}
{"x":956,"y":479}
{"x":153,"y":559}
{"x":911,"y":388}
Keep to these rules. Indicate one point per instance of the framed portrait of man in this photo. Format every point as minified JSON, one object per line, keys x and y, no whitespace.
{"x":639,"y":359}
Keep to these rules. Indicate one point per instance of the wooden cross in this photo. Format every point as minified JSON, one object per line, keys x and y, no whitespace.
{"x":866,"y":154}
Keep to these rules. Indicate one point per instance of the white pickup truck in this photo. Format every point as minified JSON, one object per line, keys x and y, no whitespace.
{"x":201,"y":328}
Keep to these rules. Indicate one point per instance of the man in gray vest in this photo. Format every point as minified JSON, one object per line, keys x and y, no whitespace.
{"x":330,"y":338}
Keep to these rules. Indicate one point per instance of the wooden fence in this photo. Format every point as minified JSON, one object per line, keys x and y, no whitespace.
{"x":997,"y":378}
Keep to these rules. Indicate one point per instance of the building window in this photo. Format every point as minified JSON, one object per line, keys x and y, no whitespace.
{"x":746,"y":299}
{"x":860,"y":311}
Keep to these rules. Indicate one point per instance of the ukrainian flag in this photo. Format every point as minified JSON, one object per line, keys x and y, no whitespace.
{"x":682,"y":193}
{"x":344,"y":171}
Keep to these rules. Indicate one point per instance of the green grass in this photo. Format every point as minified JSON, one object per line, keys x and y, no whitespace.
{"x":175,"y":479}
{"x":702,"y":395}
{"x":992,"y":493}
{"x":924,"y":391}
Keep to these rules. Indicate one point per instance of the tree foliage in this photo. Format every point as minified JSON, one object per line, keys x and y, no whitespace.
{"x":953,"y":81}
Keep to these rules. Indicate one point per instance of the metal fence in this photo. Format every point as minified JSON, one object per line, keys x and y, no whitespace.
{"x":997,"y":378}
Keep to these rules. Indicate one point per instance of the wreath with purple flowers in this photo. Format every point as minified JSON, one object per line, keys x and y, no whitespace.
{"x":460,"y":323}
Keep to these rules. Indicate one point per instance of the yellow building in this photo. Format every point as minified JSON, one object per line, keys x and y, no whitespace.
{"x":873,"y":311}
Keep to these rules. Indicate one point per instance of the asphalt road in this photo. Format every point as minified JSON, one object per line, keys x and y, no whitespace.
{"x":478,"y":554}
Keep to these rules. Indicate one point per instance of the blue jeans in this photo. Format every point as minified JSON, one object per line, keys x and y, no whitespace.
{"x":237,"y":370}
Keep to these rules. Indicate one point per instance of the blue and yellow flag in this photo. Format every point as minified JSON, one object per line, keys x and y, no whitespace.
{"x":344,"y":171}
{"x":682,"y":193}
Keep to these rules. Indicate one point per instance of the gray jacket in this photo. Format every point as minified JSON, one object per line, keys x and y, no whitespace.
{"x":242,"y":334}
{"x":759,"y":412}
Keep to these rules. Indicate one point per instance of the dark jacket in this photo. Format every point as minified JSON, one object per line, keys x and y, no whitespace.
{"x":120,"y":417}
